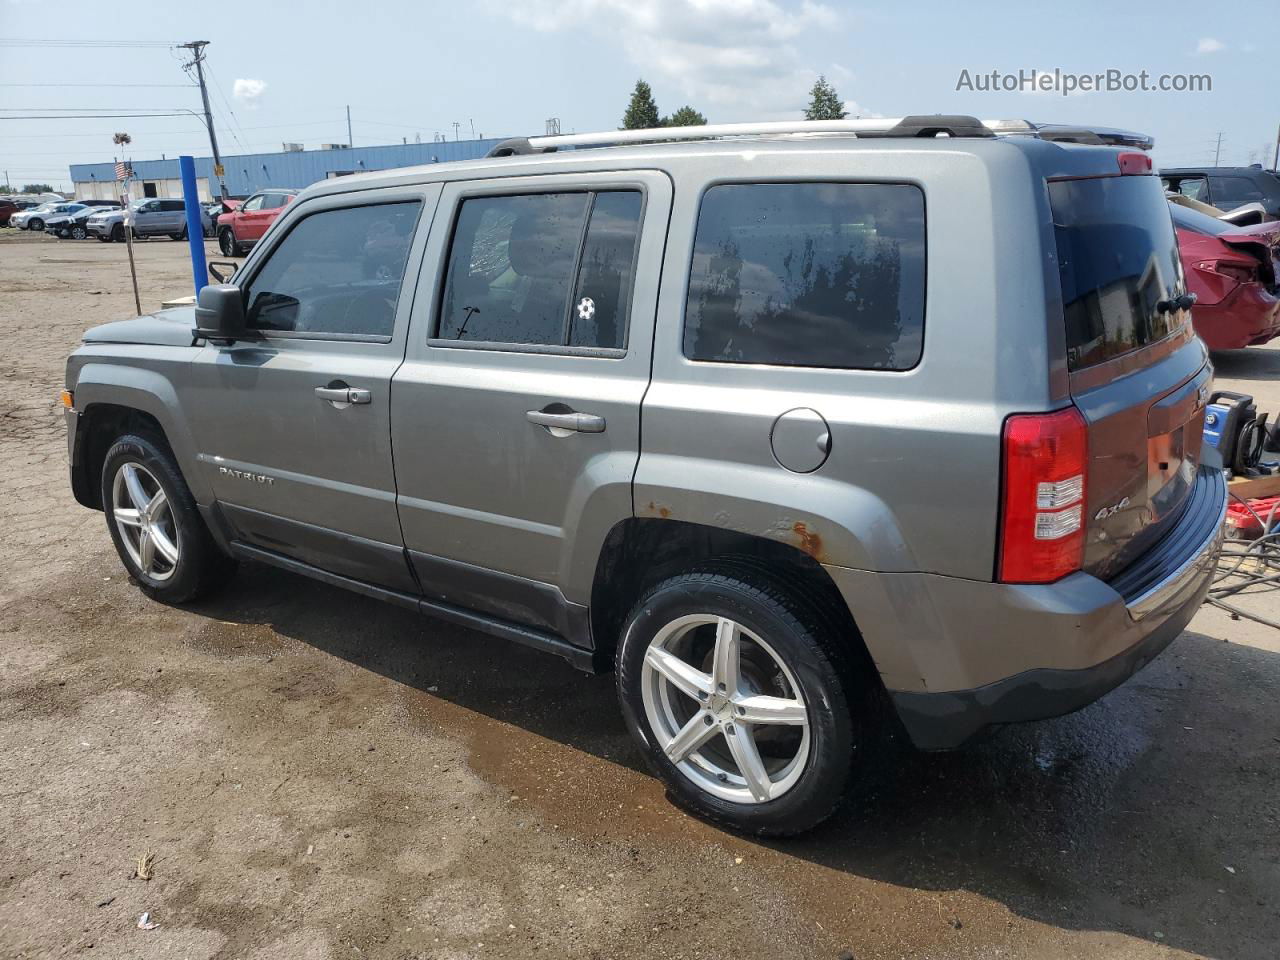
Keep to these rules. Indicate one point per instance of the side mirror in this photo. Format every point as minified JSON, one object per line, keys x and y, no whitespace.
{"x":217,"y":266}
{"x":220,"y":313}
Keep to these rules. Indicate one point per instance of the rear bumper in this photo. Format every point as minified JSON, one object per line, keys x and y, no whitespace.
{"x":1249,"y":315}
{"x":959,"y":656}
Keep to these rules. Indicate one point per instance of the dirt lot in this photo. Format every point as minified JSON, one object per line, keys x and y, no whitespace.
{"x":321,"y":776}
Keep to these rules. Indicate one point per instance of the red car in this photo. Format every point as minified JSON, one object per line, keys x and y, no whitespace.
{"x":244,"y":226}
{"x":1235,"y":274}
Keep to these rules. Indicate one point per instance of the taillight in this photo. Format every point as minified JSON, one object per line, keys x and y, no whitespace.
{"x":1042,"y":509}
{"x":1239,"y":272}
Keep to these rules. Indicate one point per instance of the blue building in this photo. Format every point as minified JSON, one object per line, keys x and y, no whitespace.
{"x":245,"y":173}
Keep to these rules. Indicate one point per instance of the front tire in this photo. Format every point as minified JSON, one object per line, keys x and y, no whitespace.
{"x":154,"y":523}
{"x":736,"y":691}
{"x":36,"y":224}
{"x":227,"y":243}
{"x":79,"y":233}
{"x":117,"y":233}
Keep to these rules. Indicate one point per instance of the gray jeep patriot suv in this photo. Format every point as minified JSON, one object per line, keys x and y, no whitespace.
{"x":780,"y":427}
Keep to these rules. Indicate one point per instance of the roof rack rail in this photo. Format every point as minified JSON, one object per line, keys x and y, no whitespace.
{"x":913,"y":126}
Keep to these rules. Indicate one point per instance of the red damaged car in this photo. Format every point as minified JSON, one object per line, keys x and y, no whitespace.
{"x":1235,"y":274}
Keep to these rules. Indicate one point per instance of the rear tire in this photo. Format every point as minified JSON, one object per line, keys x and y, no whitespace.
{"x":771,"y":740}
{"x":157,"y":530}
{"x":179,"y":236}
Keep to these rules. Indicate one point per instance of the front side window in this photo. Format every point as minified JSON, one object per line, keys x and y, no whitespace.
{"x":336,"y":272}
{"x":808,"y":275}
{"x":551,"y":269}
{"x":253,"y":203}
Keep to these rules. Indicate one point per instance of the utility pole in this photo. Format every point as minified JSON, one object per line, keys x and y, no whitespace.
{"x":1218,"y":150}
{"x":456,"y":125}
{"x":349,"y":141}
{"x":1275,"y":160}
{"x":197,"y":57}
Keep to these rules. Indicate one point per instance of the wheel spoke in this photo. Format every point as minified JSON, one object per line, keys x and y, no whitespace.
{"x":163,"y":545}
{"x":742,"y":745}
{"x":771,"y":710}
{"x":133,"y":484}
{"x":726,"y":663}
{"x":688,"y":679}
{"x":700,"y":728}
{"x":146,"y":551}
{"x":156,"y":504}
{"x":127,"y":516}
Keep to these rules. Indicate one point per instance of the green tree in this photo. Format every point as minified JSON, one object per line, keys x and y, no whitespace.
{"x":37,"y":188}
{"x":686,"y":116}
{"x":824,"y":102}
{"x":642,"y":112}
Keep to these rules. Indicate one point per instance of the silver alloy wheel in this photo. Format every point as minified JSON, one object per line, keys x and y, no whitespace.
{"x":712,"y":705}
{"x":144,"y":516}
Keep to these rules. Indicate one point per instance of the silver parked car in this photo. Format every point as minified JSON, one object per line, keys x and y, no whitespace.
{"x":780,"y":428}
{"x":149,"y":218}
{"x":34,"y":218}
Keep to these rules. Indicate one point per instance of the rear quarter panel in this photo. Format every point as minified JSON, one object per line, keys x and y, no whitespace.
{"x":912,"y":480}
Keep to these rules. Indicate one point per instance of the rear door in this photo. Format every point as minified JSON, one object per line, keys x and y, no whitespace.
{"x":516,"y":416}
{"x":1137,"y":371}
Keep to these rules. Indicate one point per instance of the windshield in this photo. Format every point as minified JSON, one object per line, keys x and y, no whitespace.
{"x":1197,"y":222}
{"x":1119,"y":265}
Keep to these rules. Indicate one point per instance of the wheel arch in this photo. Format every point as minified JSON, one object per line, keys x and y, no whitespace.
{"x":113,"y":400}
{"x":639,"y":552}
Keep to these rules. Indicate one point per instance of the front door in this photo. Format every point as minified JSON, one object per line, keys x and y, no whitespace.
{"x":292,"y":425}
{"x":516,"y":416}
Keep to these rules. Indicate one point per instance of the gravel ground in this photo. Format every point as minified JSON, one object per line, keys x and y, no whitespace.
{"x":319,"y":775}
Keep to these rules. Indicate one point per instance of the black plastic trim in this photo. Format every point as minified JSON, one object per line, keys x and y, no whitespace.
{"x":578,"y":657}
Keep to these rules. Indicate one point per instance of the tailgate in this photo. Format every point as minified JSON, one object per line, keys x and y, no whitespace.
{"x":1138,"y":374}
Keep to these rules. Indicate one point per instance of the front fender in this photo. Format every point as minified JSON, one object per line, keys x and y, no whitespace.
{"x":150,"y":392}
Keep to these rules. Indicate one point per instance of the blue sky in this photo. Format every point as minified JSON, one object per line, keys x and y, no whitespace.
{"x":286,"y":72}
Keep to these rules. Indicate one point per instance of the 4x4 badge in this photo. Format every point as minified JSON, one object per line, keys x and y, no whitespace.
{"x":1112,"y":510}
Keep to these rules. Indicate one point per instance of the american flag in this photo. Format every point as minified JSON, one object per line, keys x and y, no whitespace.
{"x":123,"y":170}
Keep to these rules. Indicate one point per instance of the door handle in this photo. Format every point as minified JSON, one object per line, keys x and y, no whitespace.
{"x":343,"y":394}
{"x":570,"y":422}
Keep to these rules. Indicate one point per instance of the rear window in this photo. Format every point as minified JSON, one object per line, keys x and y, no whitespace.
{"x":808,"y":275}
{"x":1117,"y":258}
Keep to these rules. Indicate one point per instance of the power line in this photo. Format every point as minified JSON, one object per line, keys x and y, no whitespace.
{"x":93,"y":116}
{"x":19,"y":42}
{"x":90,"y":84}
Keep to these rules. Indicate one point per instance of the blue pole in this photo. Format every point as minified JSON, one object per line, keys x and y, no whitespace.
{"x":195,"y":223}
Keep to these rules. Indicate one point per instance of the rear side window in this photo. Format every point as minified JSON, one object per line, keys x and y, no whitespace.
{"x":336,"y":272}
{"x":549,"y":269}
{"x":1117,"y":260}
{"x":1233,"y":190}
{"x":808,"y":275}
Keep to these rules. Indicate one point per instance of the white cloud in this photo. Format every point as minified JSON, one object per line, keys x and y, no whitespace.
{"x":248,"y":91}
{"x":735,"y":58}
{"x":1210,"y":45}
